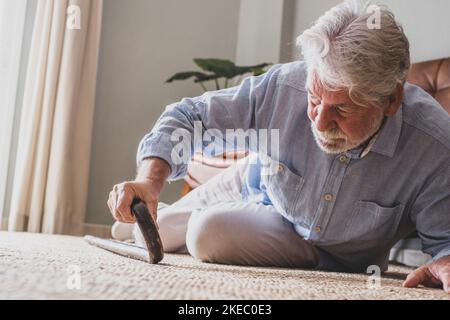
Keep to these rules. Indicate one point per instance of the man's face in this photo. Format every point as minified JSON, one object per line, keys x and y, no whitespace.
{"x":337,"y":123}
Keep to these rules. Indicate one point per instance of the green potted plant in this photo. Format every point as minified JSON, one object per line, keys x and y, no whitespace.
{"x":215,"y":70}
{"x":220,"y":71}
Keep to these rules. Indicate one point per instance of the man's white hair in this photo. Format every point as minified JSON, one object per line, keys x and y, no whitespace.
{"x":344,"y":53}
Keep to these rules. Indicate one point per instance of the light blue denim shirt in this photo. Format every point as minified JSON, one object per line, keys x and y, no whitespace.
{"x":352,"y":208}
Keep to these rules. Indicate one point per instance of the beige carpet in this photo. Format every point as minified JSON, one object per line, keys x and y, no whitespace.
{"x":36,"y":266}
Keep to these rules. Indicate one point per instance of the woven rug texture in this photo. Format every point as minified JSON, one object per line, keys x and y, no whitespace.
{"x":38,"y":266}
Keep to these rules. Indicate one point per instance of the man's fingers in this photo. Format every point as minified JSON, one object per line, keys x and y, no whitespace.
{"x":446,"y":286}
{"x":422,"y":276}
{"x":415,"y":278}
{"x":445,"y":278}
{"x":112,"y":205}
{"x":124,"y":200}
{"x":442,"y":272}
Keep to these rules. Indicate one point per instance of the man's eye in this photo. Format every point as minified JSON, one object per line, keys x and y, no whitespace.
{"x":344,"y":109}
{"x":314,"y":100}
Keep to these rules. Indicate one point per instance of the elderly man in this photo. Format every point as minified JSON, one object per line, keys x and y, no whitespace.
{"x":364,"y":160}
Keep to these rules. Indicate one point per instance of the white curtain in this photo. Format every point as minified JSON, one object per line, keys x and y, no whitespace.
{"x":52,"y":166}
{"x":12,"y":25}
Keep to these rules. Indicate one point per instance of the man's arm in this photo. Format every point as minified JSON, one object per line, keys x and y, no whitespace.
{"x":431,"y":214}
{"x":223,"y":109}
{"x":233,"y":108}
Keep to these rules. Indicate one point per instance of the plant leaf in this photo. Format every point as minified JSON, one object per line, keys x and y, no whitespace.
{"x":207,"y":78}
{"x":227,"y":69}
{"x":186,"y":75}
{"x":256,"y":69}
{"x":220,"y":67}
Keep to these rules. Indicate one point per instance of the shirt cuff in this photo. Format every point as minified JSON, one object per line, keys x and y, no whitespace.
{"x":442,"y":253}
{"x":159,"y":145}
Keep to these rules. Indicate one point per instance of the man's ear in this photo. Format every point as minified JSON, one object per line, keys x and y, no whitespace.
{"x":395,"y":101}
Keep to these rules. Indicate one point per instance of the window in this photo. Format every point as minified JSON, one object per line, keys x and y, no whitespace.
{"x":12,"y":23}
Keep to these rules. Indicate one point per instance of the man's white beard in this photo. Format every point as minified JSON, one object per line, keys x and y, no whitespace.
{"x":335,"y":141}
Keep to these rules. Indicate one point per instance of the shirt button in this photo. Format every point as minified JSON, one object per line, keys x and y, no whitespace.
{"x":343,"y":158}
{"x":328,"y":197}
{"x":280,"y":168}
{"x":317,"y":229}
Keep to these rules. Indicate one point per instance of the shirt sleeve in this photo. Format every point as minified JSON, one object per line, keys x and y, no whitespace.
{"x":232,"y":108}
{"x":431,"y":215}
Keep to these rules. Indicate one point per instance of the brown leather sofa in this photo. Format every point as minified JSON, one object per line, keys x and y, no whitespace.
{"x":434,"y":77}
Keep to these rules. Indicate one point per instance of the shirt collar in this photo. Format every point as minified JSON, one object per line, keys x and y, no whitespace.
{"x":384,"y":141}
{"x":362,"y":150}
{"x":389,"y":135}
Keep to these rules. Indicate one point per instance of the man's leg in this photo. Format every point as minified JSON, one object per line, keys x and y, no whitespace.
{"x":247,"y":234}
{"x":219,"y":227}
{"x":173,"y":219}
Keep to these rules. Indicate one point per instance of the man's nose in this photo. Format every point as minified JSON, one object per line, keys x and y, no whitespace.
{"x":324,"y":119}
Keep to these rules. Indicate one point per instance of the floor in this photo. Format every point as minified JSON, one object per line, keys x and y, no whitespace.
{"x":36,"y":266}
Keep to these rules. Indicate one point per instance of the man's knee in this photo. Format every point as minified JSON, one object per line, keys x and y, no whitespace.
{"x":209,"y":236}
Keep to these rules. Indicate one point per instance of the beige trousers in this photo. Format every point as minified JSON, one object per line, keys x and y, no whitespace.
{"x":214,"y":224}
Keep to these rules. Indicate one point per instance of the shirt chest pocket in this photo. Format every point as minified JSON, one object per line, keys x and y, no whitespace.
{"x":284,"y":188}
{"x":370,"y":222}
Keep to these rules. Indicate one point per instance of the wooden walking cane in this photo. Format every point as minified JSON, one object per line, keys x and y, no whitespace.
{"x":149,"y":230}
{"x":154,"y":252}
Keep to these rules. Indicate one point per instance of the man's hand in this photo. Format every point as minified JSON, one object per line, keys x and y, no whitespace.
{"x":435,"y":274}
{"x":149,"y":182}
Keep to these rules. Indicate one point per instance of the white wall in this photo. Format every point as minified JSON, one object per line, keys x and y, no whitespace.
{"x":259,"y":32}
{"x":143,"y":43}
{"x":265,"y":31}
{"x":305,"y":13}
{"x":426,"y":24}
